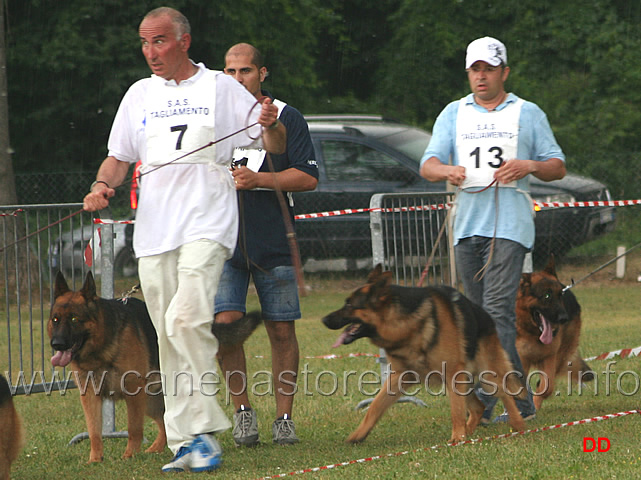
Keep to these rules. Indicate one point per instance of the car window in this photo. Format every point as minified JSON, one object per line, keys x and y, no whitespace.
{"x":349,"y":161}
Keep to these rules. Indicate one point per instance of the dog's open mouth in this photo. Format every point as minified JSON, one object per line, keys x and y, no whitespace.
{"x":348,"y":335}
{"x":547,"y":332}
{"x":62,"y":358}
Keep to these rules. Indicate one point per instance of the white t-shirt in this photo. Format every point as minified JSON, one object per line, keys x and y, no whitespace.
{"x":184,"y":202}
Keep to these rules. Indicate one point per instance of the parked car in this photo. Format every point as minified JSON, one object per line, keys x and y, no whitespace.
{"x":69,"y":251}
{"x":360,"y":155}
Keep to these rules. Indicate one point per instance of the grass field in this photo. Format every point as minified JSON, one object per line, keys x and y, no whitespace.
{"x":404,"y":436}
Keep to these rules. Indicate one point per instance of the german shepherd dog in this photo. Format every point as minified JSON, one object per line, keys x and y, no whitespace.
{"x":548,"y":325}
{"x":11,"y":430}
{"x":112,"y":348}
{"x":424,"y":330}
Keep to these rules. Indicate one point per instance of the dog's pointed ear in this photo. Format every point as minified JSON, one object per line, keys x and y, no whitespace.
{"x":89,"y":288}
{"x":550,"y":268}
{"x":380,"y":289}
{"x":375,"y":274}
{"x":387,"y":278}
{"x":525,"y":283}
{"x":60,"y":286}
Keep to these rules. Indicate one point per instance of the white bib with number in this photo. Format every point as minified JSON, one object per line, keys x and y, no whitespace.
{"x":484,"y":140}
{"x":255,"y":156}
{"x":180,"y":120}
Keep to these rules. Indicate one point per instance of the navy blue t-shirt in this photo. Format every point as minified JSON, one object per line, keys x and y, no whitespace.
{"x":262,"y":237}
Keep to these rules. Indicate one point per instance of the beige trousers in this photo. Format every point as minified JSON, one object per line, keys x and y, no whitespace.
{"x":179,"y":289}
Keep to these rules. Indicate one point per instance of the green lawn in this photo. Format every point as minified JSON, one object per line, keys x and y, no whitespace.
{"x":325,"y":414}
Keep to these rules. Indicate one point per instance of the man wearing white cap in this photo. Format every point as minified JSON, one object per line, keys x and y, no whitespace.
{"x":493,"y":138}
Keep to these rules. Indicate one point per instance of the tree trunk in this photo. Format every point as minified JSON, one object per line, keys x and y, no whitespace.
{"x":7,"y":180}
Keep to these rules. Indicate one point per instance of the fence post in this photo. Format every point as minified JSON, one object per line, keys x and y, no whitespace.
{"x":106,"y":291}
{"x":620,"y":270}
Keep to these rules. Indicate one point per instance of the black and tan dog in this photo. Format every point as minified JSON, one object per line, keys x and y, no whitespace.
{"x":427,"y":330}
{"x":112,"y":349}
{"x":11,"y":430}
{"x":548,"y":324}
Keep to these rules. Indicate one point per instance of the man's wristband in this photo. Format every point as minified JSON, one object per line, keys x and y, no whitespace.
{"x":274,"y":125}
{"x":97,"y":181}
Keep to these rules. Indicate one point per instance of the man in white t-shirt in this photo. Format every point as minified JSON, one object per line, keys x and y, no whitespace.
{"x":493,"y":138}
{"x":187,"y":219}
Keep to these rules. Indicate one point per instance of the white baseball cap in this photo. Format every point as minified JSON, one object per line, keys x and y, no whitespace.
{"x":486,"y":49}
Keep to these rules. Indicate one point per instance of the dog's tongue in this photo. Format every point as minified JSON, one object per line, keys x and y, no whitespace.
{"x":61,"y":359}
{"x":546,"y":337}
{"x":340,"y":340}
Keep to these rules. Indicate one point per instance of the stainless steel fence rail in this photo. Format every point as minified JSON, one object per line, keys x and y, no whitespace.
{"x":37,"y":241}
{"x":405,"y":229}
{"x":30,"y":257}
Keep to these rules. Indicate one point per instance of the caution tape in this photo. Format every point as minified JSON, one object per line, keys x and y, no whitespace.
{"x":432,"y":207}
{"x":623,"y":353}
{"x":108,"y":221}
{"x":442,"y":206}
{"x":585,"y":421}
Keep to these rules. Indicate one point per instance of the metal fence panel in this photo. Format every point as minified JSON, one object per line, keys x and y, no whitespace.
{"x":36,"y":242}
{"x":405,"y":229}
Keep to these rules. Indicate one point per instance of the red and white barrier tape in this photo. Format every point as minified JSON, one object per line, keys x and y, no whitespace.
{"x":623,"y":353}
{"x":458,"y":444}
{"x":442,"y":206}
{"x":106,"y":221}
{"x":437,"y":206}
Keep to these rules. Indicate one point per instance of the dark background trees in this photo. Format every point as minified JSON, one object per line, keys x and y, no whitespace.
{"x":69,"y":63}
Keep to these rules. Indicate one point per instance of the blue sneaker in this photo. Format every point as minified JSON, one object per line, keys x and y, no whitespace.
{"x":206,"y":454}
{"x":203,"y":454}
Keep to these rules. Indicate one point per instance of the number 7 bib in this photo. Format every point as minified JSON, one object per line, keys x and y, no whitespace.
{"x":179,"y":120}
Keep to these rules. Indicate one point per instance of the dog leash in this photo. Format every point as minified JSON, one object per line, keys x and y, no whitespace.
{"x":438,"y":240}
{"x":573,"y":283}
{"x":125,"y":297}
{"x":481,"y":273}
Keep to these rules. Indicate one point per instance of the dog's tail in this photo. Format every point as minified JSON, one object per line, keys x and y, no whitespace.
{"x":13,"y":441}
{"x":237,"y":332}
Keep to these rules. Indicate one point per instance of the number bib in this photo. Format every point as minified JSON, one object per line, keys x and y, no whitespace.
{"x":484,"y":140}
{"x":253,"y":158}
{"x":179,"y":120}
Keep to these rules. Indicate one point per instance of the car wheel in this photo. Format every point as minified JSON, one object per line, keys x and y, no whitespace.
{"x":126,"y":264}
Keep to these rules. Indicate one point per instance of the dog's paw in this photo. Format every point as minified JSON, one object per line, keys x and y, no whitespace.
{"x":355,"y":438}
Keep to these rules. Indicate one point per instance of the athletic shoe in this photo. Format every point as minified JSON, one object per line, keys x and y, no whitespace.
{"x":283,"y":431}
{"x":245,"y":430}
{"x":203,"y":454}
{"x":504,"y":417}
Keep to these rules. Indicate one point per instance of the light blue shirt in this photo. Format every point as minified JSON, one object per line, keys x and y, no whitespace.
{"x":476,"y":214}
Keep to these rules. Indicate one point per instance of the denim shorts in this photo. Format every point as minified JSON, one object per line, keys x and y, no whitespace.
{"x":277,"y":292}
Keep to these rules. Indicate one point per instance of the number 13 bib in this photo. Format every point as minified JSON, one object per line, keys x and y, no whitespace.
{"x":484,"y":140}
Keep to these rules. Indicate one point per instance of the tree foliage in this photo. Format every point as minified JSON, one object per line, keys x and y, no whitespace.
{"x":69,"y":63}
